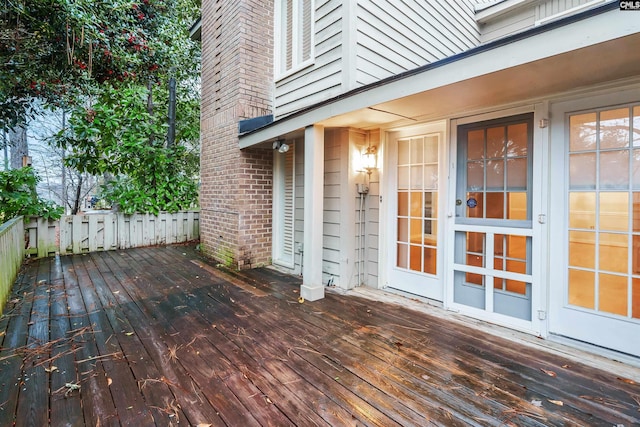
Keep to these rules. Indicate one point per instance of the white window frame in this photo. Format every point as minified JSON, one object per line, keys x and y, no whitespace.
{"x":297,"y":36}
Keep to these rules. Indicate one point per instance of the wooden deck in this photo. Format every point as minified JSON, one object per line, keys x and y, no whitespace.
{"x":154,"y":336}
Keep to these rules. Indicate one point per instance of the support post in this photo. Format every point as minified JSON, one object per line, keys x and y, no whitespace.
{"x":312,"y":288}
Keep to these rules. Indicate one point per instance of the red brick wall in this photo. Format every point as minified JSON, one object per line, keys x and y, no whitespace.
{"x":237,"y":84}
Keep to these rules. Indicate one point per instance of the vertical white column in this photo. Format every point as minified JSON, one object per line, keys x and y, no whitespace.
{"x":312,"y":288}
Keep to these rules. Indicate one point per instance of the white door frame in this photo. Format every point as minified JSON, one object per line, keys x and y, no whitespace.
{"x":537,"y":325}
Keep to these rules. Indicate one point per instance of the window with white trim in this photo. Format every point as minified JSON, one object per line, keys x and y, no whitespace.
{"x":294,"y":34}
{"x":283,"y":207}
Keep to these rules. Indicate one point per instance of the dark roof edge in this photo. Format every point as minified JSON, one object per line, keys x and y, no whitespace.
{"x":454,"y":58}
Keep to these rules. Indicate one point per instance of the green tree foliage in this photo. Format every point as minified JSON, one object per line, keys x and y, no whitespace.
{"x":58,"y":50}
{"x":119,"y":136}
{"x":18,"y":196}
{"x":107,"y":63}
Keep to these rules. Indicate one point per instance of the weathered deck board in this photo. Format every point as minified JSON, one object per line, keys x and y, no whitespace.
{"x":153,"y":338}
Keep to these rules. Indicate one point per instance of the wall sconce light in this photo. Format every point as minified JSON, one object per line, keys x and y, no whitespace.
{"x":281,"y":146}
{"x":369,"y":159}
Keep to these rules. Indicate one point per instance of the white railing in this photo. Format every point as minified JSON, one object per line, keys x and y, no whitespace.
{"x":74,"y":234}
{"x":11,"y":255}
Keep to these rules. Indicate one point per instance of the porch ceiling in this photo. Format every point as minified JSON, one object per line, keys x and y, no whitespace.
{"x":601,"y":63}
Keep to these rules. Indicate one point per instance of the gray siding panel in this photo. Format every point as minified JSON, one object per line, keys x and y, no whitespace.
{"x":395,"y":36}
{"x":332,"y":206}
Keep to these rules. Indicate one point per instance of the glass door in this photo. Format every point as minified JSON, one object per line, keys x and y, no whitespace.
{"x":493,"y":228}
{"x":416,"y":233}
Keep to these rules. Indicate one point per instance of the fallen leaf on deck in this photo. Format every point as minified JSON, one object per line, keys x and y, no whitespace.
{"x":550,"y":373}
{"x":556,"y":402}
{"x":116,"y":292}
{"x":128,"y":334}
{"x":109,"y":382}
{"x":203,"y":425}
{"x":295,"y":291}
{"x":269,"y":400}
{"x":300,"y":300}
{"x":426,"y":377}
{"x":51,"y":369}
{"x":537,"y":403}
{"x":626,"y":380}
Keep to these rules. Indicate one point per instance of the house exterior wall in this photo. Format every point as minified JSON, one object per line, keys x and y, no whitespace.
{"x":527,"y":15}
{"x":359,"y":42}
{"x":393,"y":36}
{"x":236,"y":186}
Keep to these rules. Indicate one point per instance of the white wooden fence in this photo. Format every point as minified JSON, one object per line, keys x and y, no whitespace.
{"x":74,"y":234}
{"x":11,"y":255}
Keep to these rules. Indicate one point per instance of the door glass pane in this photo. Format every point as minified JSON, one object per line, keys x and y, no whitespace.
{"x":495,"y":175}
{"x":403,"y":152}
{"x":614,"y":251}
{"x":475,"y":205}
{"x":431,"y":177}
{"x":582,"y":249}
{"x":495,"y":142}
{"x":430,"y":263}
{"x":582,"y":288}
{"x":517,"y":174}
{"x":582,"y":171}
{"x":636,"y":126}
{"x":475,"y":144}
{"x":416,"y":177}
{"x":403,"y":230}
{"x":475,"y":176}
{"x":614,"y":169}
{"x":403,"y":203}
{"x":517,"y":206}
{"x":431,"y":149}
{"x":636,"y":212}
{"x":403,"y":178}
{"x":416,"y":204}
{"x":612,"y":295}
{"x":495,"y":205}
{"x":635,"y":301}
{"x":614,"y":211}
{"x":635,"y":255}
{"x":635,"y":166}
{"x":614,"y":128}
{"x":517,"y":141}
{"x":403,"y":256}
{"x":582,"y":210}
{"x":582,"y":132}
{"x":417,"y":149}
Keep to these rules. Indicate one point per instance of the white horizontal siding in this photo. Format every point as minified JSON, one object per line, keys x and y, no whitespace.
{"x":398,"y":35}
{"x":527,"y":15}
{"x":332,"y":207}
{"x":322,"y":79}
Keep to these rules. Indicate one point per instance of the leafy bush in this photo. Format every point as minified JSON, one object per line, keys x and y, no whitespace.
{"x":18,"y":196}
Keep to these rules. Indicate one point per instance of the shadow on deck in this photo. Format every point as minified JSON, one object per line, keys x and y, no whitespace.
{"x":156,"y":336}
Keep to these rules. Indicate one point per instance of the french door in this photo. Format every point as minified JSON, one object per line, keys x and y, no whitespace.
{"x":493,"y":233}
{"x":415,"y":261}
{"x":596,"y":264}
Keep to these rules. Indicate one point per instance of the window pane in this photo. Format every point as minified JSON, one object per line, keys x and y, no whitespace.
{"x":614,"y":169}
{"x":517,"y":140}
{"x":614,"y":252}
{"x":416,"y":177}
{"x":475,"y":243}
{"x":582,"y":170}
{"x":475,"y":205}
{"x":614,"y":128}
{"x":475,"y":144}
{"x":516,"y":287}
{"x":403,"y":255}
{"x":403,"y":177}
{"x":416,"y":204}
{"x":430,"y":260}
{"x":517,"y":174}
{"x":517,"y":206}
{"x":475,"y":176}
{"x":495,"y":205}
{"x":582,"y":210}
{"x":415,"y":231}
{"x":635,"y":169}
{"x":613,"y":296}
{"x":582,"y":132}
{"x":403,"y":230}
{"x":635,"y":299}
{"x":614,"y":211}
{"x":431,"y":177}
{"x":403,"y":203}
{"x":476,"y":261}
{"x":495,"y":142}
{"x":415,"y":258}
{"x":582,"y":249}
{"x":416,"y":151}
{"x":636,"y":126}
{"x":431,"y":149}
{"x":495,"y":174}
{"x":582,"y":288}
{"x":430,"y":205}
{"x":517,"y":247}
{"x":403,"y":152}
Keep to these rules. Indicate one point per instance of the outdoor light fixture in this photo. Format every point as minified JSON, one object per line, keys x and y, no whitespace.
{"x":369,"y":160}
{"x":281,"y":146}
